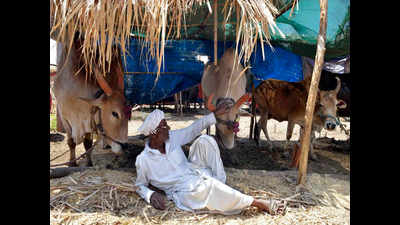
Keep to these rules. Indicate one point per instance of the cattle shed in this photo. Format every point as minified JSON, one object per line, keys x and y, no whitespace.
{"x":165,"y":44}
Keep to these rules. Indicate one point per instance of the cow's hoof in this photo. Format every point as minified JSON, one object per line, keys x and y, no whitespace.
{"x":286,"y":154}
{"x":73,"y":164}
{"x":89,"y":164}
{"x":313,"y":157}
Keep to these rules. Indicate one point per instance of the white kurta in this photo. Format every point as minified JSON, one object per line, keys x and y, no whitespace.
{"x":197,"y":183}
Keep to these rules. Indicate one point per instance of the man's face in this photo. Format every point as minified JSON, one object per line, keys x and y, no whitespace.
{"x":162,"y":133}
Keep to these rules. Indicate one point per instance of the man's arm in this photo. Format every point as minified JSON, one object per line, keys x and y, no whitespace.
{"x":142,"y":181}
{"x":154,"y":198}
{"x":186,"y":135}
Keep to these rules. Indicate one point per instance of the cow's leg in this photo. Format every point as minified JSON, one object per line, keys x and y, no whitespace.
{"x":71,"y":145}
{"x":180,"y":104}
{"x":319,"y":131}
{"x":301,"y":135}
{"x":257,"y":130}
{"x":289,"y":132}
{"x":313,"y":156}
{"x":256,"y":133}
{"x":88,"y":143}
{"x":263,"y":124}
{"x":176,"y":103}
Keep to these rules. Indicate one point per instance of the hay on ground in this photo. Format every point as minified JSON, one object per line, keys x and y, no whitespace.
{"x":108,"y":197}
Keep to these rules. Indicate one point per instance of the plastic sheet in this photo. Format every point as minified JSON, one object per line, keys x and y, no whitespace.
{"x":302,"y":28}
{"x":184,"y":64}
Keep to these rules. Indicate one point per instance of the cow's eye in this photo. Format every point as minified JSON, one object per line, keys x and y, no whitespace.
{"x":115,"y":115}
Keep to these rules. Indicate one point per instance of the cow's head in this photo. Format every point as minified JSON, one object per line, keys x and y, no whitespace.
{"x":326,"y":108}
{"x":228,"y":123}
{"x":111,"y":114}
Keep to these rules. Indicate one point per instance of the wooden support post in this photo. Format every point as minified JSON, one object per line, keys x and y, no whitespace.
{"x":208,"y":130}
{"x":312,"y":94}
{"x":215,"y":32}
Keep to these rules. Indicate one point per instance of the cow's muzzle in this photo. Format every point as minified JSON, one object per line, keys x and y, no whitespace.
{"x":331,"y":122}
{"x":330,"y":126}
{"x":124,"y":146}
{"x":232,"y":125}
{"x":118,"y":147}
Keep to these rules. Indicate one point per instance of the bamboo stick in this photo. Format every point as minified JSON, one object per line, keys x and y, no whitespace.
{"x":319,"y":60}
{"x":215,"y":32}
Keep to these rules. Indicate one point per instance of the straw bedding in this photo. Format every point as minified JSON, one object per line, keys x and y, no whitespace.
{"x":108,"y":197}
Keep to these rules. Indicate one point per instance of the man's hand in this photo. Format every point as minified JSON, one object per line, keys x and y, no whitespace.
{"x":222,"y":108}
{"x":157,"y":201}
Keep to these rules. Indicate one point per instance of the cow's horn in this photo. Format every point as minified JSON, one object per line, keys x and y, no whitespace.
{"x":102,"y":82}
{"x":241,"y":100}
{"x":209,"y":105}
{"x":338,"y":85}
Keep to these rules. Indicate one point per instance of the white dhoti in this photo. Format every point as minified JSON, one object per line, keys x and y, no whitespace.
{"x":212,"y":193}
{"x":204,"y":154}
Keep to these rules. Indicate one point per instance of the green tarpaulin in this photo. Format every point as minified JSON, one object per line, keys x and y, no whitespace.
{"x":302,"y":28}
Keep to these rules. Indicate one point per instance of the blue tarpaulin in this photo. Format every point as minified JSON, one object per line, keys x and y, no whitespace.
{"x":183,"y":66}
{"x":278,"y":64}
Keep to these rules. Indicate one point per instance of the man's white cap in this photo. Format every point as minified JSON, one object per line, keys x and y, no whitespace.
{"x":151,"y":122}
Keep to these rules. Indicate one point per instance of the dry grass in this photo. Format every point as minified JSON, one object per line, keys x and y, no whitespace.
{"x":104,"y":23}
{"x":108,"y":197}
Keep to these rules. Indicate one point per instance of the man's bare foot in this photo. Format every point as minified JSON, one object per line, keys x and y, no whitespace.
{"x":273,"y":207}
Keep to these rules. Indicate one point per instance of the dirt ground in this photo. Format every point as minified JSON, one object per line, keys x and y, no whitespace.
{"x":258,"y":171}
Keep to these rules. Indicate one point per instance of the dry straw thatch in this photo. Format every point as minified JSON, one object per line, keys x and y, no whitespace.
{"x":102,"y":23}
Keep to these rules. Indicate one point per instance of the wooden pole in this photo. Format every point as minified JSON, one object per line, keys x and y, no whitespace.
{"x":319,"y":60}
{"x":215,"y":32}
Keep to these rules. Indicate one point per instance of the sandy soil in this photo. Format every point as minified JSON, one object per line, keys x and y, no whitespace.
{"x":251,"y":168}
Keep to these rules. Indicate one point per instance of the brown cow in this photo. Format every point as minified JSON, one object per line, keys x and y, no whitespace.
{"x":227,"y":85}
{"x":286,"y":101}
{"x":86,"y":106}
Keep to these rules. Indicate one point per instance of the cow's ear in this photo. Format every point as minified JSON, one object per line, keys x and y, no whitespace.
{"x":341,"y":104}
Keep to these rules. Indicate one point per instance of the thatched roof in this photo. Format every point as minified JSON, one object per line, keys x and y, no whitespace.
{"x":102,"y":23}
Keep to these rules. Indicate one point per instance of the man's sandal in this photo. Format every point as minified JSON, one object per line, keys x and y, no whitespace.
{"x":278,"y":207}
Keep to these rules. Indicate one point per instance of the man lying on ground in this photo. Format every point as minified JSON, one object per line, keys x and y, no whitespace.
{"x":193,"y":183}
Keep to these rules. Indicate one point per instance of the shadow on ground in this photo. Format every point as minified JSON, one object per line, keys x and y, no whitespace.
{"x":247,"y":155}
